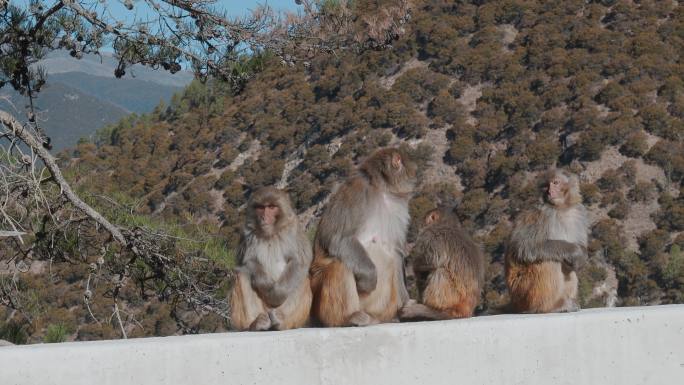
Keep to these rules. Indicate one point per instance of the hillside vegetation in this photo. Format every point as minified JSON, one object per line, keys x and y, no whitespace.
{"x":485,"y":94}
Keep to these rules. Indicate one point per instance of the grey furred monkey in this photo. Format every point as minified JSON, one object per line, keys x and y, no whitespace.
{"x":272,"y":289}
{"x":357,"y":273}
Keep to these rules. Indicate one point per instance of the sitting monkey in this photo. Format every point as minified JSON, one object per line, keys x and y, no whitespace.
{"x":357,"y":273}
{"x":449,"y":268}
{"x":548,"y":243}
{"x":272,"y":289}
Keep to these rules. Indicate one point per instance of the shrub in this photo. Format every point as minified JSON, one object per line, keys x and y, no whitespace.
{"x":608,"y":235}
{"x":655,"y":119}
{"x":543,"y":152}
{"x":474,"y":203}
{"x":14,"y":333}
{"x":56,"y":333}
{"x":653,"y":242}
{"x":590,"y":193}
{"x":635,"y":146}
{"x":611,"y":180}
{"x":444,"y":108}
{"x":620,"y":210}
{"x":589,"y":146}
{"x":420,"y":84}
{"x":673,"y":271}
{"x":641,"y":192}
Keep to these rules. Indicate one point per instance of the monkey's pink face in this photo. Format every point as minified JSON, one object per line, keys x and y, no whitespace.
{"x":556,"y":189}
{"x":267,"y":214}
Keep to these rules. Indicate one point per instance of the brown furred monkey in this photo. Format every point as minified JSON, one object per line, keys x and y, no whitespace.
{"x":449,"y":268}
{"x":357,"y":274}
{"x":272,"y":289}
{"x":546,"y":246}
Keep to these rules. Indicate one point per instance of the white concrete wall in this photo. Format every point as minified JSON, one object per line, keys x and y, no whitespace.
{"x":598,"y":347}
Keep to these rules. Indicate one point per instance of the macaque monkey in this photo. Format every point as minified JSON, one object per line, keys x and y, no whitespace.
{"x":272,"y":289}
{"x":449,"y":268}
{"x":546,"y":246}
{"x":357,"y":275}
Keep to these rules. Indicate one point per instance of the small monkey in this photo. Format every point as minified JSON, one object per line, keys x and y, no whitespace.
{"x":357,"y":274}
{"x":547,"y":245}
{"x":449,"y":268}
{"x":272,"y":290}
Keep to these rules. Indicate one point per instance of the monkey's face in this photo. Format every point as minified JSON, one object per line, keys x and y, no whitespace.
{"x":267,"y":214}
{"x":268,"y":211}
{"x":400,"y":172}
{"x":557,"y":189}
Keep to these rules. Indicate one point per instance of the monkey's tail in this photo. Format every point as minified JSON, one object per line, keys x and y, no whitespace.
{"x":501,"y":309}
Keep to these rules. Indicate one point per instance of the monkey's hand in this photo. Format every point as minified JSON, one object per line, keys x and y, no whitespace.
{"x":354,"y":256}
{"x":366,"y":278}
{"x":274,"y":297}
{"x":262,"y":283}
{"x":577,"y":258}
{"x":278,"y":292}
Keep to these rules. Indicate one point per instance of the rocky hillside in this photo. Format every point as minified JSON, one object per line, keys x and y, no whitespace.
{"x":484,"y":94}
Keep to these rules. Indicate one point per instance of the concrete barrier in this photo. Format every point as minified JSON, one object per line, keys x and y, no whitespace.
{"x":640,"y":345}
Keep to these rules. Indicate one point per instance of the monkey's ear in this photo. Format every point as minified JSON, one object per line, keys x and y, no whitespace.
{"x":432,"y":217}
{"x":396,"y":160}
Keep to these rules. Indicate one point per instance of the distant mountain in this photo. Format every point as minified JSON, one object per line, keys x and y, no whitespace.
{"x":67,"y":113}
{"x":83,"y":95}
{"x":59,"y":62}
{"x":132,"y":95}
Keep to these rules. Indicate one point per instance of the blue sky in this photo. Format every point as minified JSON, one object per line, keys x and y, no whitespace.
{"x":238,"y":7}
{"x":141,"y":10}
{"x":232,"y":7}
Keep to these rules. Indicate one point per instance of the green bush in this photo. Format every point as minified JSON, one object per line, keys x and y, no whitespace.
{"x":14,"y":333}
{"x":635,"y":145}
{"x":56,"y":333}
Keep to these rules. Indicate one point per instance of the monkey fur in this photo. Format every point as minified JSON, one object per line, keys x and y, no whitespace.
{"x":272,"y":289}
{"x":449,"y":268}
{"x":357,"y":273}
{"x":547,"y":245}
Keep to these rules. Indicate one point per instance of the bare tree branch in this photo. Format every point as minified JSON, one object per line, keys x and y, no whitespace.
{"x":20,"y":132}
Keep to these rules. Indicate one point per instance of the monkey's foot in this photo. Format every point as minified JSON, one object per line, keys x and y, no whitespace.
{"x":361,"y":318}
{"x":261,"y":323}
{"x":408,"y":310}
{"x":275,"y":319}
{"x":569,"y":306}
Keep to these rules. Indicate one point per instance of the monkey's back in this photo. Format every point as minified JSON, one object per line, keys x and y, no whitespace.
{"x":534,"y":287}
{"x":450,"y":268}
{"x":539,"y":287}
{"x":341,"y":213}
{"x":451,"y":248}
